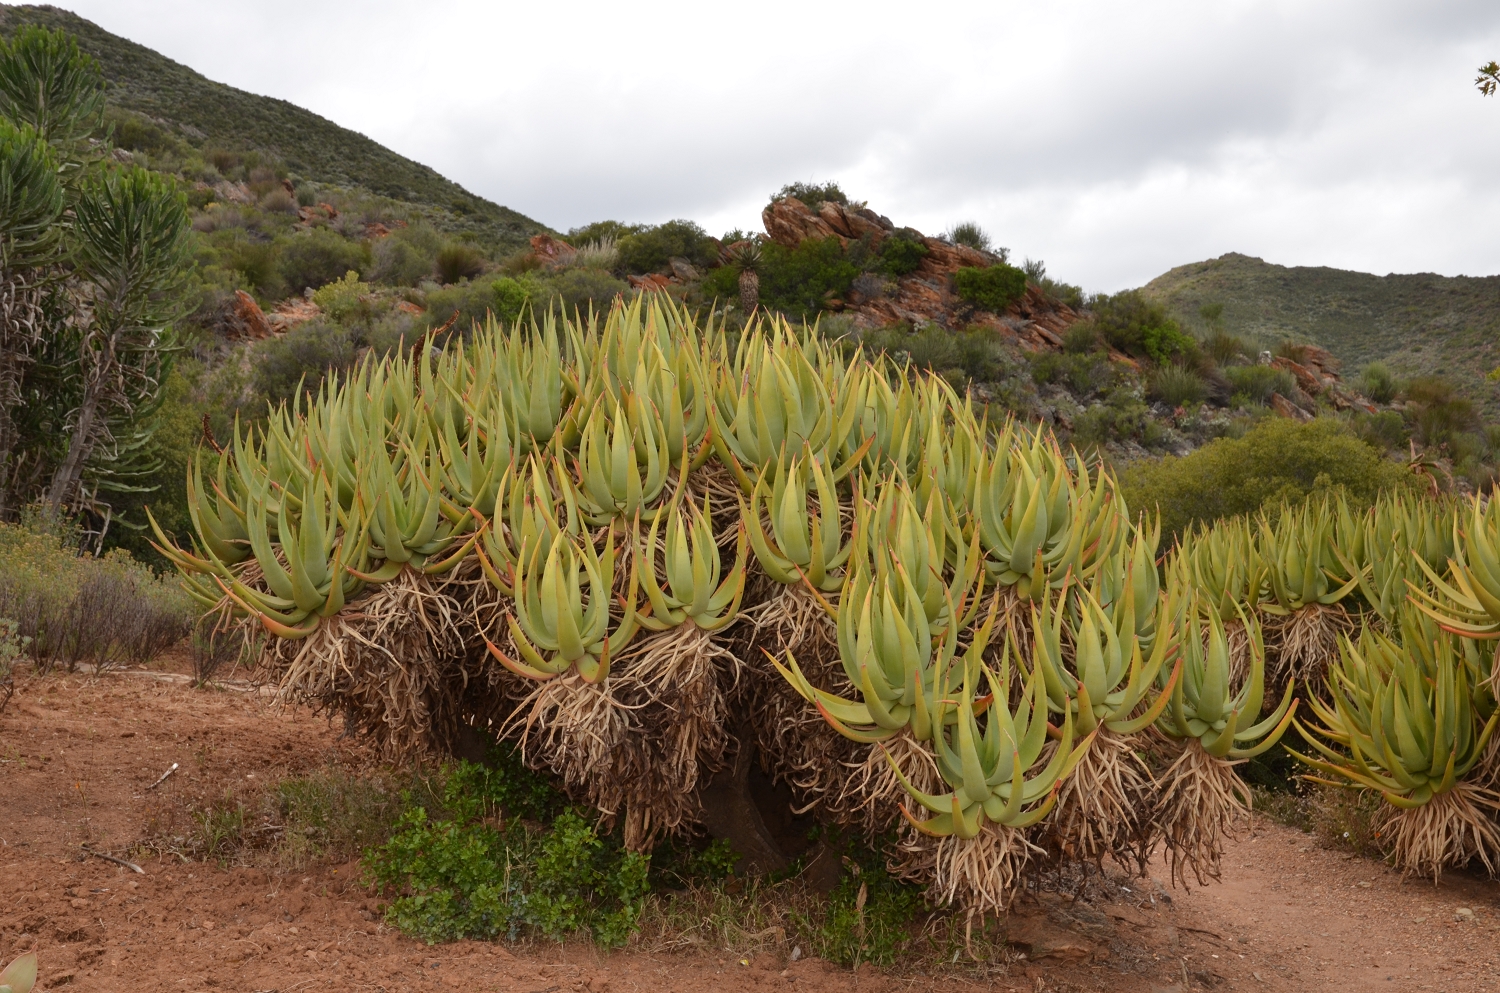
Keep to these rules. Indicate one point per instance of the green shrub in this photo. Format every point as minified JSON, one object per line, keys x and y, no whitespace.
{"x":869,"y":915}
{"x":1276,"y":461}
{"x":12,"y":647}
{"x":1080,"y":338}
{"x":583,"y":289}
{"x":992,"y":288}
{"x":603,"y":231}
{"x":306,"y":354}
{"x":1083,"y":374}
{"x":1225,"y":348}
{"x":1138,"y":327}
{"x":458,"y":261}
{"x":511,"y":296}
{"x":482,"y":873}
{"x":1178,"y":387}
{"x":902,"y":253}
{"x":344,"y":298}
{"x":1378,"y":383}
{"x":70,"y":607}
{"x":1385,"y":430}
{"x":652,"y":249}
{"x":812,"y":194}
{"x":1258,"y":383}
{"x":310,"y":259}
{"x":474,"y":302}
{"x":1121,"y":417}
{"x":800,"y":281}
{"x":402,"y":261}
{"x":1437,"y":408}
{"x":970,"y":234}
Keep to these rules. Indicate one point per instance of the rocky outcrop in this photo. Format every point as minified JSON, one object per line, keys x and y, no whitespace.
{"x":243,"y":319}
{"x":552,"y":253}
{"x":926,"y":296}
{"x":291,"y":312}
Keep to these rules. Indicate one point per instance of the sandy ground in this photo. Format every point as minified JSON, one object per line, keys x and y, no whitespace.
{"x":78,"y":757}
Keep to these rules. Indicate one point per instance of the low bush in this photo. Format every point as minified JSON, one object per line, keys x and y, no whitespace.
{"x":1258,"y":383}
{"x":1378,"y":383}
{"x":12,"y":647}
{"x":1083,"y":374}
{"x":71,"y":608}
{"x":603,"y":231}
{"x":651,"y":250}
{"x":801,"y":281}
{"x":305,"y":355}
{"x":901,"y":254}
{"x":582,"y":290}
{"x":1139,"y":327}
{"x":1438,"y":410}
{"x":812,"y":194}
{"x":310,"y":259}
{"x":482,"y":873}
{"x":458,"y":261}
{"x":1225,"y":348}
{"x":992,"y":288}
{"x":1080,"y":338}
{"x":1121,"y":417}
{"x":1178,"y":387}
{"x":1278,"y":460}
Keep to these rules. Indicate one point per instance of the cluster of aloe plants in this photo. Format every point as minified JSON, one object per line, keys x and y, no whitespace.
{"x":633,"y":541}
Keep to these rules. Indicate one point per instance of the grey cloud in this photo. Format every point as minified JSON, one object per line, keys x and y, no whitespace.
{"x":1116,"y":140}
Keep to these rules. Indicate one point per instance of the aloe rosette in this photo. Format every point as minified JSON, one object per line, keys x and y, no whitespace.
{"x":695,"y":590}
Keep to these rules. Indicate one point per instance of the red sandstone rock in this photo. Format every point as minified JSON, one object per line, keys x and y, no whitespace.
{"x":552,"y":252}
{"x":245,"y":318}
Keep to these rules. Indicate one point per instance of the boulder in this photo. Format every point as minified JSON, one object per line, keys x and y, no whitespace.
{"x":1308,"y":381}
{"x":552,"y":253}
{"x":292,"y":312}
{"x":245,"y":319}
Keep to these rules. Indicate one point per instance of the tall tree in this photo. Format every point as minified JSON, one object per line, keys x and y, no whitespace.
{"x":31,"y":204}
{"x":92,"y":257}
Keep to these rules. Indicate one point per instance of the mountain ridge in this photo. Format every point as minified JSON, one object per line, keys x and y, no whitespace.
{"x":206,"y":112}
{"x":1416,"y":323}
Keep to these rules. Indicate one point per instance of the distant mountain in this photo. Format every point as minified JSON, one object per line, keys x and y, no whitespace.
{"x":209,"y":113}
{"x":1416,"y":324}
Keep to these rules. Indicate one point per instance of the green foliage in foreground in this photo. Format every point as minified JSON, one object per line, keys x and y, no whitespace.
{"x":483,"y":872}
{"x":1276,"y":461}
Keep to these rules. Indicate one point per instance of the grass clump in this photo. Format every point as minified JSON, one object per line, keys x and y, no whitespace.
{"x":1178,"y":387}
{"x":970,"y":234}
{"x":1256,"y":384}
{"x":1378,"y":383}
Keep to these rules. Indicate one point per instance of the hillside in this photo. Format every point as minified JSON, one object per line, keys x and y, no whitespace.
{"x":1418,"y":323}
{"x":207,"y":113}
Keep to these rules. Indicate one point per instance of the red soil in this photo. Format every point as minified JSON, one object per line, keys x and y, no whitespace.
{"x":77,"y":757}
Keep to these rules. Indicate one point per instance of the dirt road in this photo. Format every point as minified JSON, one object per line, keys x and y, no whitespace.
{"x":78,"y":758}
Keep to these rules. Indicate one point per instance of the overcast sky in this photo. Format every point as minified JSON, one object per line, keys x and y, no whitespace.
{"x":1113,"y":140}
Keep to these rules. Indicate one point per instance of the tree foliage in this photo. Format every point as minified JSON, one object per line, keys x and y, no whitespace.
{"x":93,"y":257}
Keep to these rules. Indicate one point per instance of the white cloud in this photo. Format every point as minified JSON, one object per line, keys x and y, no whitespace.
{"x":1113,"y":140}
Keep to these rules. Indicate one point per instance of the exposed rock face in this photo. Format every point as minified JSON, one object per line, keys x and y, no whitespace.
{"x":291,"y":312}
{"x":790,"y":222}
{"x":245,"y":319}
{"x":552,"y":253}
{"x":925,"y":296}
